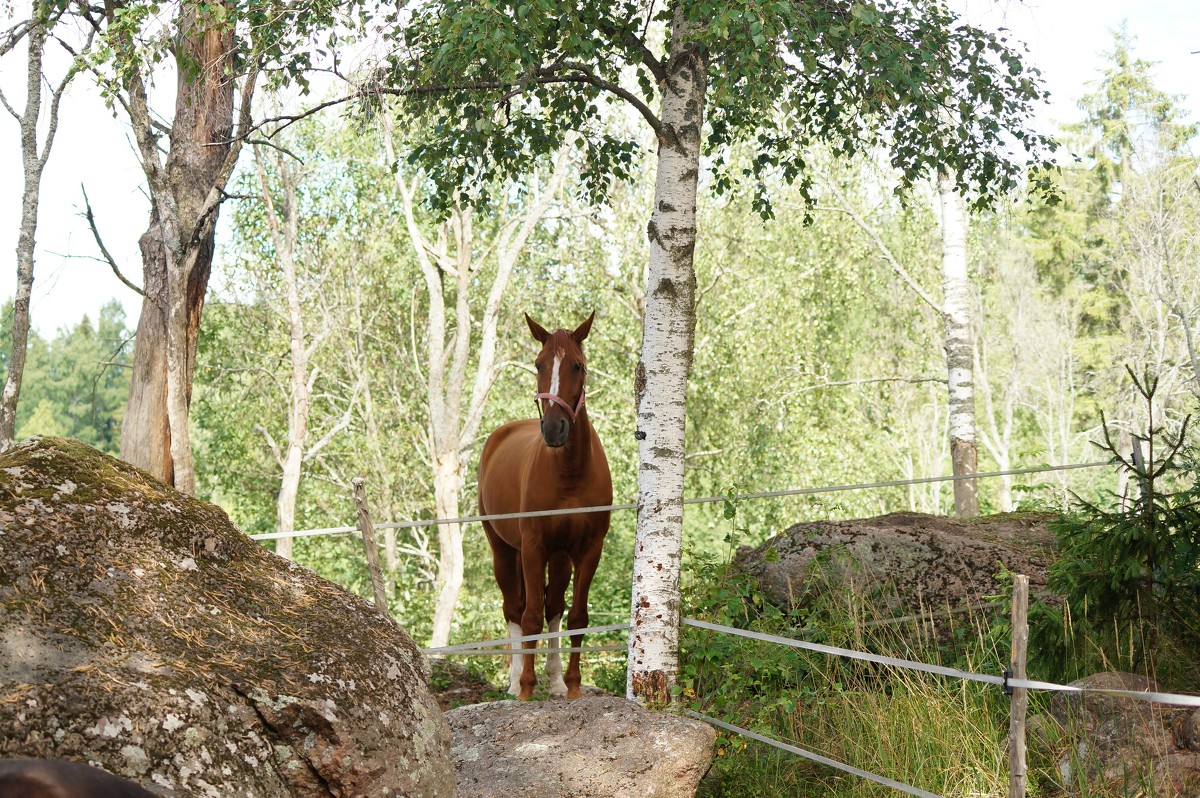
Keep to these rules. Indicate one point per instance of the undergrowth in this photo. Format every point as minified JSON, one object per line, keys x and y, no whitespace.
{"x":939,"y":734}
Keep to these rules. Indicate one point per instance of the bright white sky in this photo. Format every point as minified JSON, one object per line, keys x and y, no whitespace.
{"x":1067,"y":38}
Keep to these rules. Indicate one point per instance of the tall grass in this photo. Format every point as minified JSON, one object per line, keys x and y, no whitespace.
{"x":943,"y":735}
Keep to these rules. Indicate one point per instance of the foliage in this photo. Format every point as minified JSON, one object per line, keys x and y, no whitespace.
{"x":508,"y":82}
{"x":1136,"y":566}
{"x":75,"y":383}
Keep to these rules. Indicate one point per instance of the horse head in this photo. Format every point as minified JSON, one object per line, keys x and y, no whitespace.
{"x":561,"y":378}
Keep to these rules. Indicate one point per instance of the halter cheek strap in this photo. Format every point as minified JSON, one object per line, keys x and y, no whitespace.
{"x":558,"y":400}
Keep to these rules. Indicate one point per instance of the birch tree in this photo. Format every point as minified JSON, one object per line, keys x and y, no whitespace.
{"x":459,"y":369}
{"x":954,"y":309}
{"x":506,"y":83}
{"x":960,"y":346}
{"x":36,"y":32}
{"x":283,"y":224}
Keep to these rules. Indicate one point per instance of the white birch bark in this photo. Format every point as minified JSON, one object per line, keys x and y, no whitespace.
{"x":660,"y":387}
{"x":33,"y":165}
{"x":455,"y":417}
{"x":284,"y":239}
{"x":956,"y":311}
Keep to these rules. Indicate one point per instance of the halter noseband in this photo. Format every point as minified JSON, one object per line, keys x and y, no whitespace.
{"x":558,"y":400}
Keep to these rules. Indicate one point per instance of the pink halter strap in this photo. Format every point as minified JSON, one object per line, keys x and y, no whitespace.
{"x":558,"y":400}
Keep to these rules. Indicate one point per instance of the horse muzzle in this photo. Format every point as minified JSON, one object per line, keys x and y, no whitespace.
{"x":555,"y":430}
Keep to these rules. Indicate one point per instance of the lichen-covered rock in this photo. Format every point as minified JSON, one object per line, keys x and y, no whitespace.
{"x":144,"y":633}
{"x":600,"y":747}
{"x":904,"y":563}
{"x":1109,"y":741}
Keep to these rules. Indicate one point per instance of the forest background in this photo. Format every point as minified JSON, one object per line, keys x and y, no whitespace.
{"x":816,"y":362}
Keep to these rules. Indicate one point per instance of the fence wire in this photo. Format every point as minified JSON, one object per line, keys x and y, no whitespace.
{"x":771,"y":494}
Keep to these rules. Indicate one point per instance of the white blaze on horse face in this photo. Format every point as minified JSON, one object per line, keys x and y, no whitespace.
{"x":554,"y":671}
{"x":554,"y":373}
{"x":518,"y":660}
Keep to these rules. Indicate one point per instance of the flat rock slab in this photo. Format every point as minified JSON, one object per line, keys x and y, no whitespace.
{"x":597,"y":747}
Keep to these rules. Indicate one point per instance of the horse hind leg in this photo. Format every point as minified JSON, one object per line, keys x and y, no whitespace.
{"x":556,"y":602}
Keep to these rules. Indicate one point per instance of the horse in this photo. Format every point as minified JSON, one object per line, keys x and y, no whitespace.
{"x":61,"y":778}
{"x":553,"y":463}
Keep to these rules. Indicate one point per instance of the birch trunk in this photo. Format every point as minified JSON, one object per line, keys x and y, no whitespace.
{"x":283,"y":237}
{"x":455,"y":391}
{"x":33,"y":164}
{"x":448,"y":482}
{"x":959,"y":346}
{"x":660,"y":388}
{"x":26,"y":239}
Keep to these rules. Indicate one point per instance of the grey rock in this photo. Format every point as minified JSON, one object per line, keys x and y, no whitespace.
{"x":1114,"y":740}
{"x":903,"y":563}
{"x":598,"y":747}
{"x":143,"y":632}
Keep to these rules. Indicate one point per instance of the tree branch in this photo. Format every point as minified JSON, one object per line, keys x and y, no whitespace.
{"x":884,"y":251}
{"x":271,"y":442}
{"x":91,"y":220}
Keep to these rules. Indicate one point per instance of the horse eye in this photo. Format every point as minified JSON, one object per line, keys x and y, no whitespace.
{"x":578,"y":367}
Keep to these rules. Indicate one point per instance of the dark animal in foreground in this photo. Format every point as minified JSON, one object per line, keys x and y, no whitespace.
{"x":59,"y":778}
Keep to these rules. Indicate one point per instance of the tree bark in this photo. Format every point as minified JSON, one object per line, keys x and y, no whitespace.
{"x":455,"y":417}
{"x":33,"y":164}
{"x":283,"y":237}
{"x":956,"y":297}
{"x":660,"y":388}
{"x":177,"y":247}
{"x":26,"y":239}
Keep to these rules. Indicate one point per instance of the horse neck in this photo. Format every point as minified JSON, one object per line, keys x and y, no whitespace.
{"x":578,"y":450}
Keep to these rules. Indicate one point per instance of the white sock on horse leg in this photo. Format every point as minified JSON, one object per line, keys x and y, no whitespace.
{"x":518,"y":660}
{"x":554,"y":671}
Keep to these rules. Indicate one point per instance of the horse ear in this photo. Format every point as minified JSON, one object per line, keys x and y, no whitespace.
{"x":581,"y":332}
{"x":539,"y":332}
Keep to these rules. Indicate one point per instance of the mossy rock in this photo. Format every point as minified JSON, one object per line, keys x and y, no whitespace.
{"x":902,"y":564}
{"x":143,"y":632}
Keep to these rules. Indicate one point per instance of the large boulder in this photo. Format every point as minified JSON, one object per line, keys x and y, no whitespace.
{"x":600,"y":747}
{"x":904,"y":563}
{"x":1113,"y":742}
{"x":144,"y":633}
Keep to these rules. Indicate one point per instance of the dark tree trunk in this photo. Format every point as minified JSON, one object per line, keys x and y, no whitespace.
{"x":181,"y":232}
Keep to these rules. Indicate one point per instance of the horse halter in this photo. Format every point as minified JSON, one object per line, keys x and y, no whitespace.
{"x":558,"y":400}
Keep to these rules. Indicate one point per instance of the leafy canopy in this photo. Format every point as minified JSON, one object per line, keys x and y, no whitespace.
{"x":506,"y":82}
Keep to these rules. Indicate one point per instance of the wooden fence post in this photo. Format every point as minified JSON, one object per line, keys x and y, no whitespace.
{"x":368,"y":536}
{"x":1020,"y":695}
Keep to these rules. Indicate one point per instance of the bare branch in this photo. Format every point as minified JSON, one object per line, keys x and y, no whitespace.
{"x":884,"y":251}
{"x":271,"y":442}
{"x":91,"y":220}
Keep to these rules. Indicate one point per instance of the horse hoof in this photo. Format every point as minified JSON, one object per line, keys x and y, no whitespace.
{"x":526,"y":694}
{"x":558,"y":690}
{"x":574,"y":693}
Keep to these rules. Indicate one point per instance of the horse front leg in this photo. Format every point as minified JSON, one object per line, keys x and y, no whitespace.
{"x":533,"y":566}
{"x":557,"y":580}
{"x":577,"y":618}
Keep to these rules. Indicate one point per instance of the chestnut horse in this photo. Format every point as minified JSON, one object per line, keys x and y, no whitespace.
{"x":556,"y":463}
